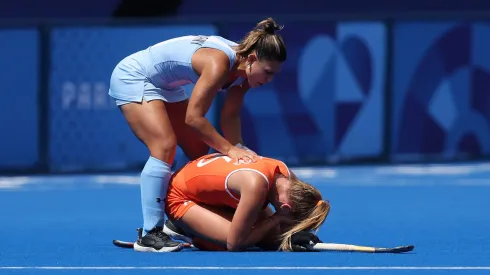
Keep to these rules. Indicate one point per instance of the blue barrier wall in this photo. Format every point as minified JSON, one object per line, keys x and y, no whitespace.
{"x":104,"y":9}
{"x":87,"y":131}
{"x":19,"y":90}
{"x":326,"y":106}
{"x":56,"y":8}
{"x":327,"y":98}
{"x":441,"y":91}
{"x":317,"y":7}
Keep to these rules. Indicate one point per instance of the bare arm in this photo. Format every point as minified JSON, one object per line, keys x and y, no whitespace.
{"x":213,"y":71}
{"x":267,"y":212}
{"x":230,"y":114}
{"x":242,"y":232}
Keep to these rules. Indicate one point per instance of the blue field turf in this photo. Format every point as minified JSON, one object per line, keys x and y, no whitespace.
{"x":66,"y":224}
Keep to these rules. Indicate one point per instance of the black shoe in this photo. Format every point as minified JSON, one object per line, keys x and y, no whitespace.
{"x":156,"y":241}
{"x":176,"y":233}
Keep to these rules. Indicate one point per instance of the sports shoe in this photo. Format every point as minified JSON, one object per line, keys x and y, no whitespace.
{"x":156,"y":241}
{"x":175,"y":232}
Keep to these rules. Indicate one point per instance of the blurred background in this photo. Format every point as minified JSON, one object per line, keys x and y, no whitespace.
{"x":365,"y":81}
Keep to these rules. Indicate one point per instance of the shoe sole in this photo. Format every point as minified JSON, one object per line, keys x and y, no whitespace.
{"x":140,"y":248}
{"x":176,"y":236}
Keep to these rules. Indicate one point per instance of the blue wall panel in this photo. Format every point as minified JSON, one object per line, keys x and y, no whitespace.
{"x":328,"y":102}
{"x":19,"y":90}
{"x":441,"y":91}
{"x":87,"y":131}
{"x":189,"y":8}
{"x":319,"y":8}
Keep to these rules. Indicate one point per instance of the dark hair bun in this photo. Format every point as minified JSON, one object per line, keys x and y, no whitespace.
{"x":269,"y":26}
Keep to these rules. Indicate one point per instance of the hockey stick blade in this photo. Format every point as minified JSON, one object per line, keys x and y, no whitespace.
{"x":123,"y":244}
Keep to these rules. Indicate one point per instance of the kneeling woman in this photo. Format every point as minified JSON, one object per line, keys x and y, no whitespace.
{"x":201,"y":191}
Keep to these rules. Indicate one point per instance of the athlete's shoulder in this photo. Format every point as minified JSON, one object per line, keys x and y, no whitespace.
{"x":223,"y":40}
{"x":222,"y":44}
{"x":278,"y":166}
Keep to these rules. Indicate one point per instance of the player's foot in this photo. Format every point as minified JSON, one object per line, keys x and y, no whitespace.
{"x":157,"y":241}
{"x":175,"y":232}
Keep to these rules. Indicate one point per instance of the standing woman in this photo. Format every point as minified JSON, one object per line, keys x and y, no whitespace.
{"x":147,"y":87}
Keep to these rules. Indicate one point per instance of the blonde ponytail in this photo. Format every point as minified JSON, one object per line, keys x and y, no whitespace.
{"x":309,"y":210}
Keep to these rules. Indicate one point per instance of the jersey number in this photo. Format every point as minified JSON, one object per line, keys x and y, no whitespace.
{"x":204,"y":162}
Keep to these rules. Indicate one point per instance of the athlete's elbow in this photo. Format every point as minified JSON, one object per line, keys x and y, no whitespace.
{"x":192,"y":121}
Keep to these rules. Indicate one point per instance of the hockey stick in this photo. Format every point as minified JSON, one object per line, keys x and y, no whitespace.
{"x":317,"y":247}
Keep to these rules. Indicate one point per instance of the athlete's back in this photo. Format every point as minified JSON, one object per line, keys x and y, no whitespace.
{"x":205,"y":179}
{"x":168,"y":63}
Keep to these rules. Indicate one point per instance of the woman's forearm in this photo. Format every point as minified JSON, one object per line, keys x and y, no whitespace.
{"x":208,"y":134}
{"x":258,"y":233}
{"x":231,"y":127}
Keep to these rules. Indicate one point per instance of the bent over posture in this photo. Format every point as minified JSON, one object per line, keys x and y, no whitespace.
{"x":202,"y":190}
{"x":148,"y":88}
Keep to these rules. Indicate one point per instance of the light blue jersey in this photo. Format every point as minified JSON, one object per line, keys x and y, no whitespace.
{"x":160,"y":71}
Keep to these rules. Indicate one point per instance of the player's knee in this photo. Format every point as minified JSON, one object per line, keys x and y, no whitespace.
{"x":163,"y":146}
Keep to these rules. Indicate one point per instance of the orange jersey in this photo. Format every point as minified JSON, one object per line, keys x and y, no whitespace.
{"x":205,"y":180}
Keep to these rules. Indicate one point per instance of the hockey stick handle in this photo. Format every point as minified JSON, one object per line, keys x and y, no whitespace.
{"x":341,"y":247}
{"x":358,"y":248}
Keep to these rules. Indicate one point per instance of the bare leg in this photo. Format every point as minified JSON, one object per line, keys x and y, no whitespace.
{"x":209,"y":226}
{"x":151,"y":124}
{"x":187,"y":138}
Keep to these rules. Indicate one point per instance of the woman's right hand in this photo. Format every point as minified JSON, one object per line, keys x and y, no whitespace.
{"x":243,"y":155}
